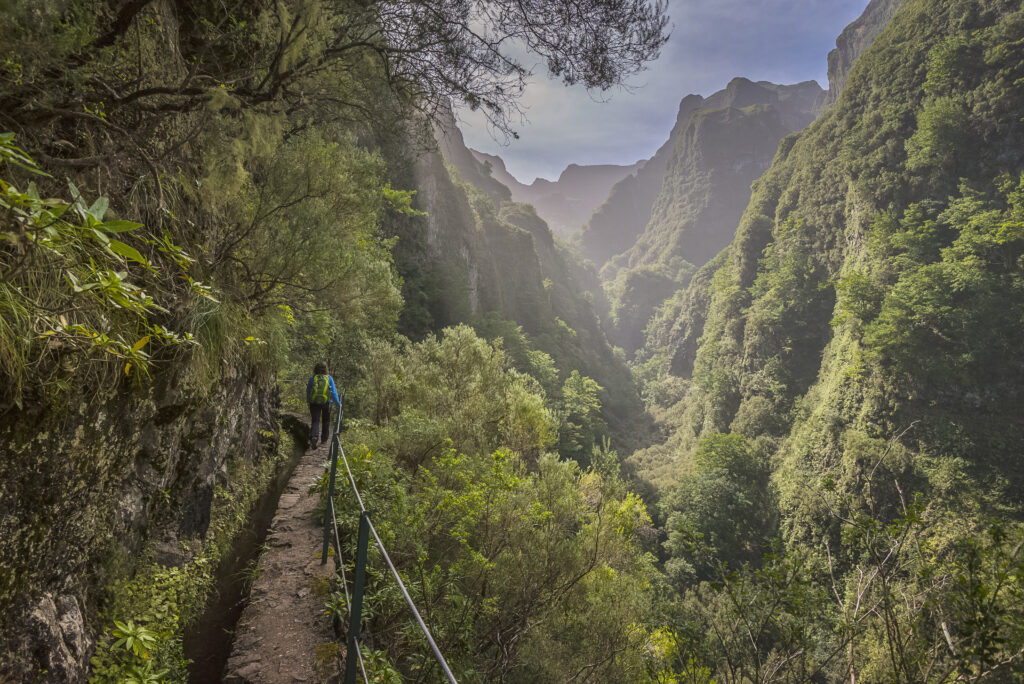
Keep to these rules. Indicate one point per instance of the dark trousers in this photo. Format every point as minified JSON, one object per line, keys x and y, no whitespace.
{"x":319,"y":421}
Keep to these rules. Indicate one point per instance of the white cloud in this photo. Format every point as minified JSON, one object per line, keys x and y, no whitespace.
{"x":712,"y":42}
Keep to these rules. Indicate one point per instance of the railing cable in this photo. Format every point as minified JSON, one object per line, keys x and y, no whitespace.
{"x":337,"y":550}
{"x":362,"y":665}
{"x":412,"y":606}
{"x":354,"y":604}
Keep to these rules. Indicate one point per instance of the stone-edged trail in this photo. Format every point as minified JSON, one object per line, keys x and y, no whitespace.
{"x":283,"y":626}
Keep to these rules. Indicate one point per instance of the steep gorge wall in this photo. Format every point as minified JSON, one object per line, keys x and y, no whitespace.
{"x":854,"y":40}
{"x":115,"y":443}
{"x":678,"y":324}
{"x":725,"y":146}
{"x":722,"y":146}
{"x":86,"y":483}
{"x":477,"y":255}
{"x":566,"y":203}
{"x":784,"y":356}
{"x":620,"y":219}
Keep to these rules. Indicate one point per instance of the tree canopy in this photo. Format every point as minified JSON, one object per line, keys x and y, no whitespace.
{"x":258,"y":52}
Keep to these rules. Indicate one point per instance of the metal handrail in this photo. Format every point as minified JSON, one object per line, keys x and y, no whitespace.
{"x":362,"y":665}
{"x":412,"y":607}
{"x":365,"y":527}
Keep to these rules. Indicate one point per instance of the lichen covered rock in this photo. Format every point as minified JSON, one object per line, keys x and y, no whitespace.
{"x":83,"y":485}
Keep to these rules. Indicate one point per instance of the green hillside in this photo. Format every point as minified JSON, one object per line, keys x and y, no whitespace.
{"x":722,"y":145}
{"x":847,"y":369}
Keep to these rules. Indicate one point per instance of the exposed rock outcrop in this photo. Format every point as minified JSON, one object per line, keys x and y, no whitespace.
{"x":55,"y":634}
{"x":80,"y":480}
{"x":724,"y":146}
{"x":854,"y":40}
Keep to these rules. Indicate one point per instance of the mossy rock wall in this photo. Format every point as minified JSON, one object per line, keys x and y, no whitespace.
{"x":488,"y":259}
{"x":85,"y":481}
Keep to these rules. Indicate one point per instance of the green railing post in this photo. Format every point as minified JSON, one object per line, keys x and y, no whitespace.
{"x":329,"y":509}
{"x":333,"y":457}
{"x":356,"y":609}
{"x":341,"y":412}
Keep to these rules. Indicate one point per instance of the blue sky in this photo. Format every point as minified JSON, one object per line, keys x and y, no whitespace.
{"x":784,"y":41}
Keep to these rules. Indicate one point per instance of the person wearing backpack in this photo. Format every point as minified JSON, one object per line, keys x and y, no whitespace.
{"x":320,"y":394}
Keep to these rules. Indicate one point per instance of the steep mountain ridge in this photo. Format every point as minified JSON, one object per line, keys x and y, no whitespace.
{"x":478,"y":257}
{"x":854,"y":40}
{"x":724,"y":147}
{"x":564,"y":204}
{"x":619,"y":220}
{"x":678,"y":323}
{"x":848,"y":306}
{"x":720,"y":148}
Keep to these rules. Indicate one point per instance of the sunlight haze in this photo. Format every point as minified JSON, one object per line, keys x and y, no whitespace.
{"x":712,"y":42}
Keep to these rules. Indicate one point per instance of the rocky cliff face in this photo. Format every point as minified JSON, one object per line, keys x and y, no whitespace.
{"x":722,"y":146}
{"x":619,"y":220}
{"x":725,"y":145}
{"x":85,"y":481}
{"x":854,"y":40}
{"x":454,"y":151}
{"x":482,"y":256}
{"x":648,"y":204}
{"x":567,"y":203}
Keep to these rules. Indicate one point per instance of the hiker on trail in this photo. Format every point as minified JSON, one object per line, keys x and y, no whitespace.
{"x":320,"y":394}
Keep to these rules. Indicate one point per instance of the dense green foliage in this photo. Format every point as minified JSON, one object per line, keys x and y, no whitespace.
{"x":855,"y":345}
{"x":529,"y":567}
{"x":720,"y":512}
{"x":251,"y":158}
{"x":635,"y":294}
{"x":66,"y":289}
{"x":232,"y":235}
{"x":836,"y":497}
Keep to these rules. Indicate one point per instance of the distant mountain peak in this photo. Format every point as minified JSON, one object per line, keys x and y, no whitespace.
{"x":565,"y":204}
{"x":622,"y":218}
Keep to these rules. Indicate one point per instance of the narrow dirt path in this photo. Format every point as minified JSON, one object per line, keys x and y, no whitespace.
{"x":282,"y":628}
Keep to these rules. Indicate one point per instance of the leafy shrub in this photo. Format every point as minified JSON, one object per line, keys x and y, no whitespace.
{"x":69,"y":302}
